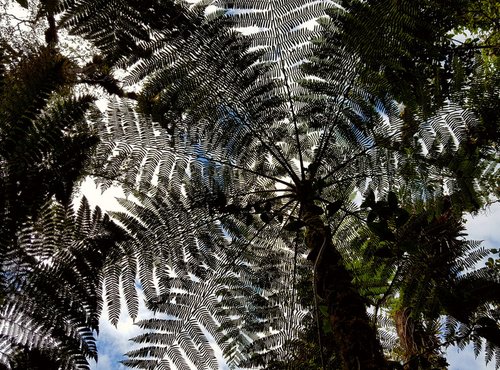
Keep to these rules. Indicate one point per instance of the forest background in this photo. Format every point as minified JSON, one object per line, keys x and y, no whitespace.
{"x":366,"y":158}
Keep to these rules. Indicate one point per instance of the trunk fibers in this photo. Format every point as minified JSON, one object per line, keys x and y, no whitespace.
{"x":356,"y":339}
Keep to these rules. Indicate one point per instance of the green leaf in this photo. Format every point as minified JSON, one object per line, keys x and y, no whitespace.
{"x":294,"y":225}
{"x":383,"y":210}
{"x":23,"y":3}
{"x":382,"y":230}
{"x":327,"y":326}
{"x":402,"y":216}
{"x":334,"y":207}
{"x":372,"y":215}
{"x":248,"y":219}
{"x":232,"y":208}
{"x":265,"y":217}
{"x":324,"y":310}
{"x":392,"y":199}
{"x":317,"y":210}
{"x":369,"y":200}
{"x":384,"y":252}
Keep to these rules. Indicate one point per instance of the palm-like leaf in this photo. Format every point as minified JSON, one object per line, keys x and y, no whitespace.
{"x":53,"y":298}
{"x":244,"y":157}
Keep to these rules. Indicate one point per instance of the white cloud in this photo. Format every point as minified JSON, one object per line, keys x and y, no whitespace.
{"x":113,"y":342}
{"x":481,"y":227}
{"x":104,"y":362}
{"x":485,"y":226}
{"x":465,"y":360}
{"x":106,"y":201}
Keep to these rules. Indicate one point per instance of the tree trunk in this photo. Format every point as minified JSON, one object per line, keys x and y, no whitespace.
{"x":419,"y":347}
{"x":356,"y":339}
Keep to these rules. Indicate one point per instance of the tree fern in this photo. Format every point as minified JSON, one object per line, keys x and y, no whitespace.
{"x":350,"y":145}
{"x":243,"y":151}
{"x":53,"y":299}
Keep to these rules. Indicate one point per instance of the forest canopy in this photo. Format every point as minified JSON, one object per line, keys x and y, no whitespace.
{"x":296,"y":177}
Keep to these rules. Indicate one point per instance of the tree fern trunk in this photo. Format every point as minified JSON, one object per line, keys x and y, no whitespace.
{"x":356,"y":340}
{"x":419,"y":347}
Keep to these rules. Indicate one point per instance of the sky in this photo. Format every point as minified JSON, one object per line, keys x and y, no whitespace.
{"x":113,"y":342}
{"x":483,"y":227}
